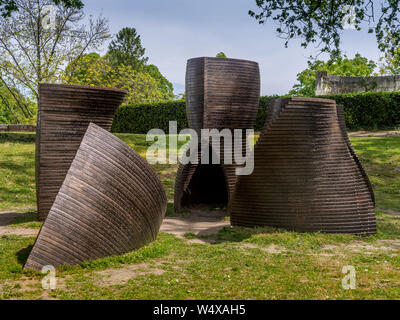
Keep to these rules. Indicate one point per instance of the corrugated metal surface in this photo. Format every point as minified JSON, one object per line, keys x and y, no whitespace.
{"x":220,"y":94}
{"x":306,"y":176}
{"x":65,"y":112}
{"x":110,"y":203}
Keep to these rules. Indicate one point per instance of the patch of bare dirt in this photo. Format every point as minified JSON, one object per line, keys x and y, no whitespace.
{"x":200,"y":222}
{"x":366,"y":248}
{"x":199,"y":241}
{"x":7,"y":218}
{"x":374,"y":133}
{"x":272,"y":248}
{"x":116,"y":276}
{"x":26,"y":285}
{"x":394,"y":244}
{"x":388,"y":211}
{"x":23,"y":232}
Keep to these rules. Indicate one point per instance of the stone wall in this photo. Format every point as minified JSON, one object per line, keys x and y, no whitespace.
{"x":328,"y":84}
{"x":17,"y":128}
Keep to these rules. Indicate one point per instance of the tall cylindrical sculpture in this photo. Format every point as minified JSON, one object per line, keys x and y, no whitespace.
{"x":220,"y":94}
{"x":307,"y":176}
{"x":110,"y":203}
{"x":65,"y":112}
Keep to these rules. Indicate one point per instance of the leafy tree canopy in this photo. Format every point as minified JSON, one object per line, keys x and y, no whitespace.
{"x":7,"y":7}
{"x":127,"y":49}
{"x":391,"y":63}
{"x":124,"y":66}
{"x":31,"y":53}
{"x":9,"y":109}
{"x":221,"y":55}
{"x":92,"y":69}
{"x":77,"y":70}
{"x":321,"y":21}
{"x":165,"y":87}
{"x":340,"y":66}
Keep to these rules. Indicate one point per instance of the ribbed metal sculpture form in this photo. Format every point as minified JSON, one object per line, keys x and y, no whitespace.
{"x":110,"y":203}
{"x":203,"y":184}
{"x":65,"y":112}
{"x":306,"y":176}
{"x":220,"y":94}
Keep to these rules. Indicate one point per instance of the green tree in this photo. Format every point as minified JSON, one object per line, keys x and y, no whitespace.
{"x":221,"y":55}
{"x":91,"y":69}
{"x":166,"y":88}
{"x":7,"y":7}
{"x":31,"y":54}
{"x":127,"y":49}
{"x":340,"y":66}
{"x":391,"y":62}
{"x":9,"y":109}
{"x":78,"y":69}
{"x":321,"y":21}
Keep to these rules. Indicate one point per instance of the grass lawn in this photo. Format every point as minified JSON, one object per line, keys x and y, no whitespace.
{"x":235,"y":263}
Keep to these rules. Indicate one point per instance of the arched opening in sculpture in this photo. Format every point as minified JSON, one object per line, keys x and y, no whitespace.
{"x":208,"y":187}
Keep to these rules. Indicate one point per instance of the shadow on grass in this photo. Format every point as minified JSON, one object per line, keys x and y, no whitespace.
{"x":17,"y":137}
{"x":388,"y":226}
{"x":22,"y":255}
{"x":30,"y":216}
{"x":171,"y":211}
{"x":233,"y":234}
{"x":265,"y":236}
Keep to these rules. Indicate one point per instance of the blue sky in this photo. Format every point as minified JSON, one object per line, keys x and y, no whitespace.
{"x":173,"y":31}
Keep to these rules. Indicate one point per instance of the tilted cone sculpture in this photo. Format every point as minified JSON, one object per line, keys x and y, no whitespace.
{"x":306,"y":176}
{"x":220,"y":94}
{"x":65,"y":112}
{"x":110,"y":203}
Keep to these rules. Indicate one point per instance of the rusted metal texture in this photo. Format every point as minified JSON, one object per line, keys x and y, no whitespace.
{"x":65,"y":112}
{"x":220,"y":94}
{"x":110,"y":203}
{"x":306,"y":176}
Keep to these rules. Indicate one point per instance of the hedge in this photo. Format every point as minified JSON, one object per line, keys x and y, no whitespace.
{"x":144,"y":117}
{"x":371,"y":110}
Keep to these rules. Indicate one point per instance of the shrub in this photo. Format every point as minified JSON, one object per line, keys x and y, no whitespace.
{"x":144,"y":117}
{"x":370,"y":110}
{"x":262,"y":111}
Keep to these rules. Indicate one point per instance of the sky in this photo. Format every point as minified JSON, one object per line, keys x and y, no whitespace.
{"x":173,"y":31}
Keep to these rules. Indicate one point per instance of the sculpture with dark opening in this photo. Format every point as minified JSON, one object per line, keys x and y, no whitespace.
{"x":203,"y":185}
{"x":201,"y":191}
{"x":65,"y":112}
{"x":220,"y":94}
{"x":306,"y":177}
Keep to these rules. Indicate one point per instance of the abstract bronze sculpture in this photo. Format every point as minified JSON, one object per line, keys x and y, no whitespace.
{"x":110,"y":203}
{"x":220,"y":94}
{"x":65,"y":112}
{"x":307,"y":176}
